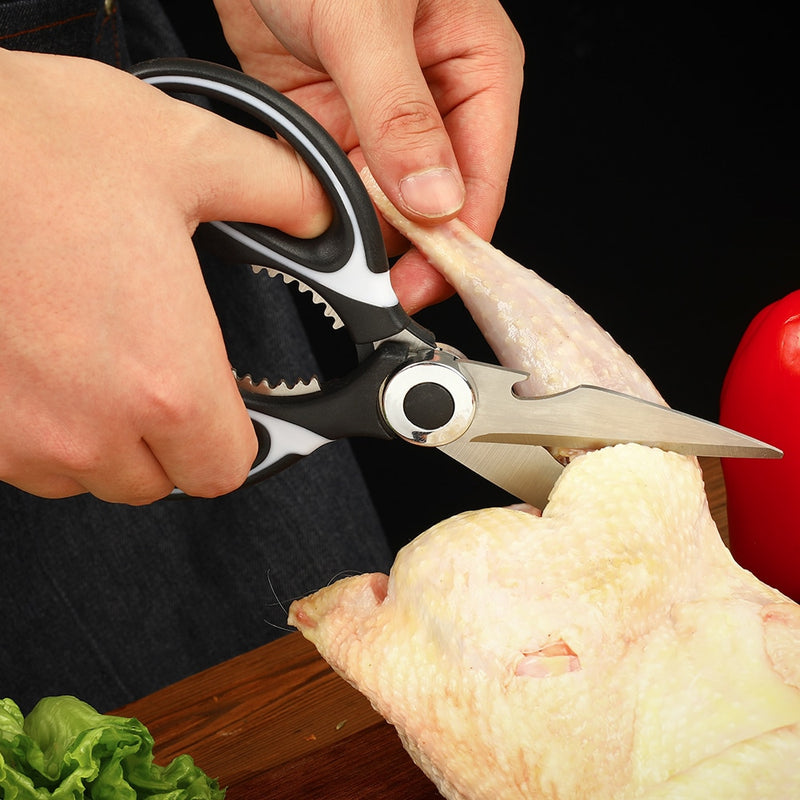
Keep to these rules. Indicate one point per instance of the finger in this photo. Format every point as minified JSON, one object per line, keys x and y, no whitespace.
{"x":394,"y":242}
{"x":177,"y":424}
{"x":60,"y":464}
{"x":135,"y":479}
{"x":417,"y":284}
{"x":476,"y":77}
{"x":237,"y":173}
{"x":180,"y":398}
{"x":494,"y":112}
{"x":399,"y":126}
{"x":209,"y":448}
{"x":191,"y":414}
{"x":50,"y":486}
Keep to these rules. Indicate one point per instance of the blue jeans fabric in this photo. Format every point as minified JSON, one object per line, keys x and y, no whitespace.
{"x":69,"y":27}
{"x":111,"y":602}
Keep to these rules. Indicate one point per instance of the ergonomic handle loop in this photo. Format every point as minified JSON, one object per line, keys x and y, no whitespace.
{"x":347,"y":264}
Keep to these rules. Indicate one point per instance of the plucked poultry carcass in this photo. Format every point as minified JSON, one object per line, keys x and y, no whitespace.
{"x":609,"y":648}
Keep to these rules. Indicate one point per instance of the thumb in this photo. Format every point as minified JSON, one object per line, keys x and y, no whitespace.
{"x":243,"y":175}
{"x":402,"y":135}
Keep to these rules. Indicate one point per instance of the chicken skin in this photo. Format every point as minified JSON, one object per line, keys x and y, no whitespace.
{"x":609,"y":648}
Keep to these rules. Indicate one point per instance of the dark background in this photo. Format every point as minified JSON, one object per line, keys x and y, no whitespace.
{"x":654,"y":181}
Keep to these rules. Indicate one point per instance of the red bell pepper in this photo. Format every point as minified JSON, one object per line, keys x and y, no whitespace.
{"x":761,"y":397}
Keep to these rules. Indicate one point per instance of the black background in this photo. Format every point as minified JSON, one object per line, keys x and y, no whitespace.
{"x":654,"y":181}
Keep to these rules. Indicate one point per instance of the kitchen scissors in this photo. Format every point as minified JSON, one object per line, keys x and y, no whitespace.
{"x":406,"y":385}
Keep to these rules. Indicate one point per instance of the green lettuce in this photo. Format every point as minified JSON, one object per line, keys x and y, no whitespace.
{"x":65,"y":750}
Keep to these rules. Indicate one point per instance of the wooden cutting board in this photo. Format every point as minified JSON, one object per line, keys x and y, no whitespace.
{"x":277,"y":723}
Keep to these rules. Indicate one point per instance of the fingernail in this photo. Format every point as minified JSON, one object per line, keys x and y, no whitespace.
{"x":433,"y":193}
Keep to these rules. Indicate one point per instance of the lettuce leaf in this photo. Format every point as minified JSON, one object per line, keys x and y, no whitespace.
{"x":65,"y":750}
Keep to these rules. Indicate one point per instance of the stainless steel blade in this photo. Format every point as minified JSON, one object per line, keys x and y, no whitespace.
{"x":523,"y":471}
{"x":589,"y":417}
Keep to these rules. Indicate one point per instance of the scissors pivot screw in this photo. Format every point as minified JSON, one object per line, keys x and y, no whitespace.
{"x":429,"y":403}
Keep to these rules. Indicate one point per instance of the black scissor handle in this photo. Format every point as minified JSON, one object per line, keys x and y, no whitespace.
{"x":347,"y":264}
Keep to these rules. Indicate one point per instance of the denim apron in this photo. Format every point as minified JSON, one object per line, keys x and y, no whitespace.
{"x":110,"y":602}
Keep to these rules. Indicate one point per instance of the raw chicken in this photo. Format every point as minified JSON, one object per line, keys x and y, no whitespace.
{"x":529,"y":324}
{"x":610,"y":648}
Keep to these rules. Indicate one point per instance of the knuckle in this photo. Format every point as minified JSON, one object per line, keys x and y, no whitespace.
{"x":167,"y":404}
{"x":74,"y":456}
{"x":218,"y":482}
{"x":212,"y":447}
{"x":406,"y":121}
